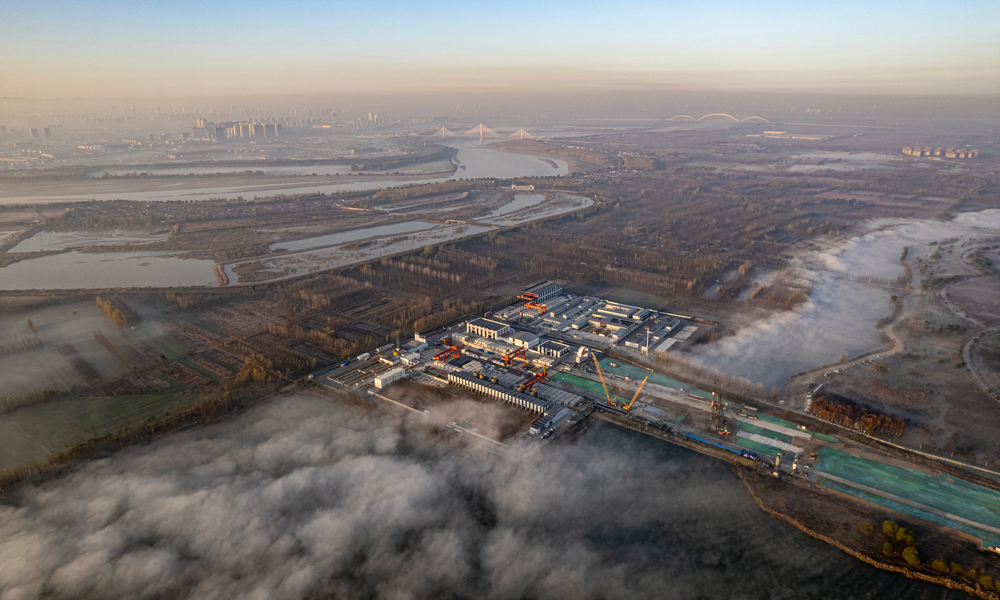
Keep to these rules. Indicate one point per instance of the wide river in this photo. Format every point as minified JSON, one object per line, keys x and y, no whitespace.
{"x":474,"y":160}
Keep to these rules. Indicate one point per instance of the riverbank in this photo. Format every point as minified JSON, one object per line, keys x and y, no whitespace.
{"x":855,"y":526}
{"x":213,"y":409}
{"x":840,"y":524}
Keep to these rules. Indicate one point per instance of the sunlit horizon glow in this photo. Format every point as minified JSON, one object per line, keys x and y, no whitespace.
{"x":91,"y":49}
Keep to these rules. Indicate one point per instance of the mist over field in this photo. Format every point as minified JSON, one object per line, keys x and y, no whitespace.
{"x":299,"y":498}
{"x":250,"y":257}
{"x":840,"y":315}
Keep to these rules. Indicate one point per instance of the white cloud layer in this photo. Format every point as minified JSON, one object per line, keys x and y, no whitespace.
{"x":299,"y":498}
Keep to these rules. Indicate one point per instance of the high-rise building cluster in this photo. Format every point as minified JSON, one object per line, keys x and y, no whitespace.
{"x":257,"y":128}
{"x":373,"y":118}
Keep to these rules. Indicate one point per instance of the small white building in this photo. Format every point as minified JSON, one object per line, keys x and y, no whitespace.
{"x":411,"y":359}
{"x":389,"y":377}
{"x":553,"y":349}
{"x":522,"y":339}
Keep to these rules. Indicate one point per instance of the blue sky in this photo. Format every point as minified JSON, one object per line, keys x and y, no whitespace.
{"x":89,"y":48}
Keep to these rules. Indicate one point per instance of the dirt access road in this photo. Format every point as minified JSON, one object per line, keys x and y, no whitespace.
{"x":798,"y":402}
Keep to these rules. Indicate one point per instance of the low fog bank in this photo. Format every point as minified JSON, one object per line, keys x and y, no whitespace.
{"x":303,"y":499}
{"x":840,"y":316}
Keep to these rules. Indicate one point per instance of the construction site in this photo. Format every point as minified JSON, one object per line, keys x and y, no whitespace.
{"x":523,"y":376}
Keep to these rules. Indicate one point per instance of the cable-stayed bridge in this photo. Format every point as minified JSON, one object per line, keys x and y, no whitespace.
{"x":483,"y":132}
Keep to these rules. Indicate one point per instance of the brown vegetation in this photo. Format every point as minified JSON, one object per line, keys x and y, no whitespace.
{"x":858,"y":418}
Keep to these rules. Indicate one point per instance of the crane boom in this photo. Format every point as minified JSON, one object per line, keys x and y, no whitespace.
{"x":604,"y":385}
{"x":632,"y":401}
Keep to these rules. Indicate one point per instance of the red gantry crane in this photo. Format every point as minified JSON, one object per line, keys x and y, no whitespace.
{"x":448,"y":352}
{"x":529,"y":385}
{"x":531,"y":301}
{"x":519,"y":354}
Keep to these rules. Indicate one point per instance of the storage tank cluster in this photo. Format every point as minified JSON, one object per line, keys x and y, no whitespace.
{"x":919,"y":151}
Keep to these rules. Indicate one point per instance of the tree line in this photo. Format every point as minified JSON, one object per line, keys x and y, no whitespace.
{"x":857,"y":418}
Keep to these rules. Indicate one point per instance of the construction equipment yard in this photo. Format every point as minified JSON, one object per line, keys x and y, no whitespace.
{"x":499,"y":381}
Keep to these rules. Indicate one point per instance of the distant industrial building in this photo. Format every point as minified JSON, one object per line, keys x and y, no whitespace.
{"x":545,"y":290}
{"x":47,"y":132}
{"x":34,"y":133}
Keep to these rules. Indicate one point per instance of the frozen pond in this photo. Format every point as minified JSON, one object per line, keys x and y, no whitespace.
{"x":313,"y":261}
{"x":520,"y":201}
{"x":75,"y":270}
{"x":398,"y":238}
{"x":60,"y":240}
{"x":352,"y":235}
{"x":509,"y":216}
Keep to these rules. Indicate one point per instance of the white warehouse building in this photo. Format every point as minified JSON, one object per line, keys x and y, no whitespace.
{"x":389,"y":377}
{"x":545,"y":290}
{"x":487,"y":328}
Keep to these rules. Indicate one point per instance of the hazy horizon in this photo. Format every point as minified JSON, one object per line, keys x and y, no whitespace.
{"x":189,"y":50}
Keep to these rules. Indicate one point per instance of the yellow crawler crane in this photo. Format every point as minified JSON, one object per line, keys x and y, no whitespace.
{"x":604,"y":385}
{"x":632,"y":401}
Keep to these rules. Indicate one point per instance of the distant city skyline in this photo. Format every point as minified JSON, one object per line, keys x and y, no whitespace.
{"x":92,"y":49}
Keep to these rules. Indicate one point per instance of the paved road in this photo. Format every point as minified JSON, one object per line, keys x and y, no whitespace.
{"x":814,"y":475}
